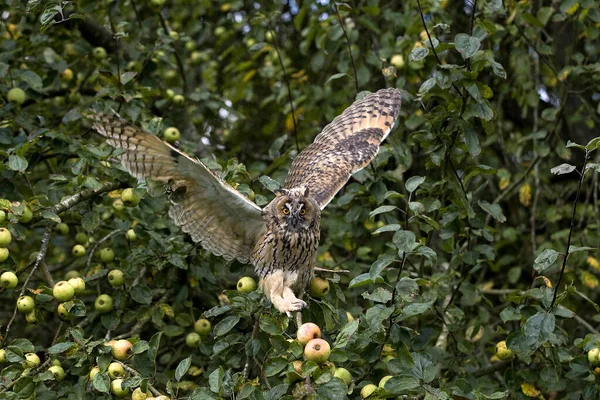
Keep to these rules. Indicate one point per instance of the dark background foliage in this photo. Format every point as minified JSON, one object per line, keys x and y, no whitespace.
{"x":455,"y":239}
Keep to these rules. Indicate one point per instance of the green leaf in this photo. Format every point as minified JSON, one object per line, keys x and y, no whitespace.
{"x":364,"y":279}
{"x":479,"y":110}
{"x":379,"y":295}
{"x":387,"y":228}
{"x":275,"y":366}
{"x":472,"y":141}
{"x":215,"y":380}
{"x":126,"y":77}
{"x":272,"y":325}
{"x":142,"y":294}
{"x":563,"y":169}
{"x":413,"y":183}
{"x":401,"y":384}
{"x":466,"y":45}
{"x":337,"y":76}
{"x":270,"y":184}
{"x":60,"y":347}
{"x":404,"y":240}
{"x":539,"y":328}
{"x":101,"y":382}
{"x":153,"y":346}
{"x":492,"y":209}
{"x":575,"y":249}
{"x":32,"y":79}
{"x":17,"y":163}
{"x":381,"y":210}
{"x":182,"y":368}
{"x":426,"y":86}
{"x":343,"y":338}
{"x":545,"y":260}
{"x":418,"y":53}
{"x":226,"y":325}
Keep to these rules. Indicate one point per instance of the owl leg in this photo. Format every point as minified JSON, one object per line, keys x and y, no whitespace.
{"x":276,"y":289}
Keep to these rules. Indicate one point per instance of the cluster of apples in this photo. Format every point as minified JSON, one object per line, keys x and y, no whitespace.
{"x":32,"y":360}
{"x":201,"y":329}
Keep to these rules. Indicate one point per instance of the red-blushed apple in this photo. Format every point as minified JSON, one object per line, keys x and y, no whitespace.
{"x":308,"y":332}
{"x":121,"y":349}
{"x":317,"y":350}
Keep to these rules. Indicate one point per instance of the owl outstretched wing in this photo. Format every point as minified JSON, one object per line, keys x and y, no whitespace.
{"x":217,"y":216}
{"x":347,"y":145}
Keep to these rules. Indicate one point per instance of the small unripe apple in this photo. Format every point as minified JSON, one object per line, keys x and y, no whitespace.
{"x":172,"y":134}
{"x":317,"y":350}
{"x":78,"y":284}
{"x":116,"y":387}
{"x":156,"y":5}
{"x":26,"y":216}
{"x":178,"y":100}
{"x":16,"y":95}
{"x":66,"y":75}
{"x":99,"y":53}
{"x":2,"y":216}
{"x":62,"y":228}
{"x":107,"y":255}
{"x":246,"y":285}
{"x":308,"y":332}
{"x":31,"y":360}
{"x":193,"y":339}
{"x":138,"y":395}
{"x":130,"y":235}
{"x":62,"y":312}
{"x":72,"y":274}
{"x":129,"y":198}
{"x":115,"y":370}
{"x":103,"y":303}
{"x":319,"y":287}
{"x":78,"y":250}
{"x":162,"y":398}
{"x":121,"y":349}
{"x":344,"y":375}
{"x":62,"y":291}
{"x":397,"y":61}
{"x":25,"y":304}
{"x":116,"y":278}
{"x":190,"y":45}
{"x":367,"y":390}
{"x":58,"y":372}
{"x":4,"y":254}
{"x":2,"y":356}
{"x":502,"y":351}
{"x":31,"y":317}
{"x":9,"y":280}
{"x":118,"y":205}
{"x":5,"y":237}
{"x":593,"y":356}
{"x":202,"y":326}
{"x":93,"y":372}
{"x":174,"y":35}
{"x":81,"y":238}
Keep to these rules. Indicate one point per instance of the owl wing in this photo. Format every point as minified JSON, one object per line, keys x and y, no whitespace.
{"x":347,"y":145}
{"x":216,"y":215}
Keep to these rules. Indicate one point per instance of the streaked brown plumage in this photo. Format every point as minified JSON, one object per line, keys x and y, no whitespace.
{"x":282,"y":239}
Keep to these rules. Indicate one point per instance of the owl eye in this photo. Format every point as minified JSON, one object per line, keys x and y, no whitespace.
{"x":286,"y":211}
{"x":302,"y":212}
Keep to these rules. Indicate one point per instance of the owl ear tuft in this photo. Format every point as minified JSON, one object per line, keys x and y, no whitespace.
{"x":306,"y":191}
{"x":281,"y":192}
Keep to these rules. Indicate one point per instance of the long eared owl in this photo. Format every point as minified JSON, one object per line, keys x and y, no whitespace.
{"x":280,"y":240}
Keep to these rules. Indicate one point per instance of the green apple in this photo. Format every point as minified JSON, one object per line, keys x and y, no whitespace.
{"x":367,"y":390}
{"x":319,"y":287}
{"x":58,"y":372}
{"x":81,"y":238}
{"x":4,"y":254}
{"x":172,"y":134}
{"x":246,"y":284}
{"x":93,"y":372}
{"x":178,"y":100}
{"x":2,"y":216}
{"x":121,"y":349}
{"x":31,"y":360}
{"x":9,"y":280}
{"x":67,"y":75}
{"x":99,"y":53}
{"x":115,"y":370}
{"x":397,"y":61}
{"x":78,"y":251}
{"x":31,"y":317}
{"x":193,"y":339}
{"x":62,"y":312}
{"x":129,"y":198}
{"x":62,"y":291}
{"x":593,"y":356}
{"x":16,"y":95}
{"x":116,"y":278}
{"x":308,"y":332}
{"x":72,"y":274}
{"x":5,"y":237}
{"x":116,"y":387}
{"x":103,"y":303}
{"x":2,"y":356}
{"x":78,"y":284}
{"x":130,"y":235}
{"x":26,"y":216}
{"x":118,"y":205}
{"x":317,"y":350}
{"x":62,"y":228}
{"x":344,"y":375}
{"x":25,"y":304}
{"x":504,"y":353}
{"x":139,"y":395}
{"x":174,"y":35}
{"x":107,"y":255}
{"x":202,"y":326}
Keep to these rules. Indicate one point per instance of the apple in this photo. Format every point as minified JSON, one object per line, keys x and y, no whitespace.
{"x":26,"y":216}
{"x":172,"y":134}
{"x":156,"y":5}
{"x":99,"y":53}
{"x":317,"y":350}
{"x":121,"y":349}
{"x":2,"y":216}
{"x":62,"y":291}
{"x":62,"y":311}
{"x":178,"y":100}
{"x":397,"y":61}
{"x":31,"y":317}
{"x":9,"y":280}
{"x":134,"y":66}
{"x":78,"y":284}
{"x":116,"y":387}
{"x":384,"y":380}
{"x":174,"y":35}
{"x":58,"y":372}
{"x":2,"y":356}
{"x":130,"y":235}
{"x":93,"y":372}
{"x":116,"y":278}
{"x":16,"y":95}
{"x":308,"y":332}
{"x":81,"y":238}
{"x":246,"y":284}
{"x":72,"y":274}
{"x":129,"y":198}
{"x":25,"y":304}
{"x":78,"y":251}
{"x":5,"y":237}
{"x":103,"y":303}
{"x":115,"y":370}
{"x":190,"y":45}
{"x":62,"y":228}
{"x":31,"y":360}
{"x":66,"y":75}
{"x":162,"y":398}
{"x":3,"y":254}
{"x":107,"y":255}
{"x":367,"y":390}
{"x":344,"y":375}
{"x":319,"y":287}
{"x":503,"y":352}
{"x":193,"y":339}
{"x":593,"y":356}
{"x":202,"y":326}
{"x":138,"y":395}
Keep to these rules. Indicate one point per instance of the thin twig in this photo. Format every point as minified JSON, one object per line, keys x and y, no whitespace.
{"x":246,"y":372}
{"x":289,"y":89}
{"x":337,"y":10}
{"x":177,"y":58}
{"x":564,"y":264}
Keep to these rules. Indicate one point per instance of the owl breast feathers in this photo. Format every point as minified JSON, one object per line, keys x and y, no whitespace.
{"x":280,"y":240}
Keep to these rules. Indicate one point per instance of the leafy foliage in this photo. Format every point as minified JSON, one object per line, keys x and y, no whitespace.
{"x":477,"y":224}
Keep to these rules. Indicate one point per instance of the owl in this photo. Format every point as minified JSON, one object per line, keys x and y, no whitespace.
{"x":281,"y":239}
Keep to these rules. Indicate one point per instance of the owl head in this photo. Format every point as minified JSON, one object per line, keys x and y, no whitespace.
{"x":293,"y":209}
